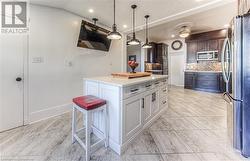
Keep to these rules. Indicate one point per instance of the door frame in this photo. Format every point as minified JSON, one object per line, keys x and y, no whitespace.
{"x":26,"y":84}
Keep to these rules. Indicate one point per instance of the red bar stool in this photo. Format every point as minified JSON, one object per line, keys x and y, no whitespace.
{"x":87,"y":105}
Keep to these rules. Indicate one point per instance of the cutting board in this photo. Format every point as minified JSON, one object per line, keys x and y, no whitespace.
{"x":131,"y":75}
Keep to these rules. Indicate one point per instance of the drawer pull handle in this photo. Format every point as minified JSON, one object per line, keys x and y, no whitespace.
{"x":148,"y":86}
{"x":164,"y":90}
{"x":134,"y":90}
{"x":157,"y":83}
{"x":164,"y":102}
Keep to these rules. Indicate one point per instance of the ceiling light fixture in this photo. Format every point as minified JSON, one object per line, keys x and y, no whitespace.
{"x":184,"y":32}
{"x":173,"y":36}
{"x":125,"y":26}
{"x":134,"y":41}
{"x":147,"y":45}
{"x":114,"y":34}
{"x":91,"y":10}
{"x":226,"y":25}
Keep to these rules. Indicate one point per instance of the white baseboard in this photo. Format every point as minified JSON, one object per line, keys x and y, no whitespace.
{"x":49,"y":112}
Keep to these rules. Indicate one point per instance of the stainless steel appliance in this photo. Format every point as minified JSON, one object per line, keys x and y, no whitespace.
{"x":207,"y":55}
{"x":236,"y":64}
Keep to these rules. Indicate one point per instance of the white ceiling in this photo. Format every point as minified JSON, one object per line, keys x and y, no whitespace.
{"x":212,"y":19}
{"x":160,"y":11}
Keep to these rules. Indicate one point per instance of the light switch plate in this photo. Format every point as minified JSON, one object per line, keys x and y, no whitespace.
{"x":37,"y":60}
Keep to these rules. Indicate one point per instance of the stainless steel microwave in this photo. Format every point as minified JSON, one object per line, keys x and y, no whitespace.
{"x":207,"y":55}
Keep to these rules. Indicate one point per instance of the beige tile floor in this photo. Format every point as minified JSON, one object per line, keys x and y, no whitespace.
{"x":193,"y":128}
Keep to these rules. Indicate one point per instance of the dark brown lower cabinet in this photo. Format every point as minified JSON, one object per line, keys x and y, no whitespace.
{"x":203,"y":81}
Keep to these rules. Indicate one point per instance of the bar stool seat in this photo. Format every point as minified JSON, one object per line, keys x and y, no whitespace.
{"x":87,"y":105}
{"x":89,"y":102}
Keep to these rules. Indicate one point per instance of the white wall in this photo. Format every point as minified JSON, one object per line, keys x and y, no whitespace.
{"x":182,"y":52}
{"x":58,"y":78}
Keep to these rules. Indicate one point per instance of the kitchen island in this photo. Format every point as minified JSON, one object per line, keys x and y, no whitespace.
{"x":133,"y":104}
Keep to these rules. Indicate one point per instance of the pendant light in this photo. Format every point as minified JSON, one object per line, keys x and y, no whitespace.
{"x":114,"y":34}
{"x":147,"y":44}
{"x":95,"y":20}
{"x":134,"y":41}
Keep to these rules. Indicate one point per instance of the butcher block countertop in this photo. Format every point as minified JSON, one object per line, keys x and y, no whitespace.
{"x":121,"y":82}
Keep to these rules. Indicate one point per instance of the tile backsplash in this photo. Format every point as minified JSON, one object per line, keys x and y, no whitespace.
{"x":204,"y":66}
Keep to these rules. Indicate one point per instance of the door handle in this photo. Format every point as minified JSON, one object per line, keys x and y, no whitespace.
{"x":226,"y":42}
{"x":230,"y":98}
{"x":18,"y":79}
{"x":142,"y":102}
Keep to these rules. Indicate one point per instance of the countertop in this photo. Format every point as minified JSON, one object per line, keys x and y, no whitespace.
{"x":199,"y":71}
{"x":122,"y":82}
{"x":154,"y":70}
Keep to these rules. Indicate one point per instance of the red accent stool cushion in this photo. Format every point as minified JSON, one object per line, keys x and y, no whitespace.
{"x":89,"y":102}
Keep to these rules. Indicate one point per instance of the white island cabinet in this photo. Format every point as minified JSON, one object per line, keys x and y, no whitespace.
{"x":133,"y":104}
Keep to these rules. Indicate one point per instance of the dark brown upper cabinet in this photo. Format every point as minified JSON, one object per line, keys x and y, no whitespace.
{"x":208,"y":41}
{"x":191,"y":52}
{"x":157,"y":53}
{"x":152,"y":53}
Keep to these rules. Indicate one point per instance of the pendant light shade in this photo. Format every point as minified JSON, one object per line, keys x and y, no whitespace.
{"x":147,"y":44}
{"x":114,"y":34}
{"x":134,"y":41}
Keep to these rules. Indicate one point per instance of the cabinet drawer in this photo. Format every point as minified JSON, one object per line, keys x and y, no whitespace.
{"x":208,"y":76}
{"x":163,"y":91}
{"x":157,"y":83}
{"x":163,"y":102}
{"x":164,"y":82}
{"x":207,"y":84}
{"x":131,"y":91}
{"x":147,"y":86}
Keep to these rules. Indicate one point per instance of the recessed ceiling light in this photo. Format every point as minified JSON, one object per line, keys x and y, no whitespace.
{"x":226,"y":25}
{"x":91,"y":10}
{"x":125,"y":26}
{"x":173,"y":36}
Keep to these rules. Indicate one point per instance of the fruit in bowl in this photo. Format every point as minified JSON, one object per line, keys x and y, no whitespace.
{"x":133,"y":64}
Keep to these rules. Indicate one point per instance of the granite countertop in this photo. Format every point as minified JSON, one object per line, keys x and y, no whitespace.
{"x":122,"y":82}
{"x":200,"y":71}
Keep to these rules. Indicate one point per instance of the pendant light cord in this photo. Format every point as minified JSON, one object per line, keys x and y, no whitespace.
{"x":133,"y":22}
{"x":146,"y":30}
{"x":114,"y":12}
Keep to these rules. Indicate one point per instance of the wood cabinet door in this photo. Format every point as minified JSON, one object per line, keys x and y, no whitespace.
{"x":191,"y":52}
{"x":152,"y":53}
{"x":189,"y":80}
{"x":132,"y":116}
{"x":155,"y":102}
{"x":202,"y":46}
{"x":147,"y":108}
{"x":213,"y":45}
{"x":208,"y":82}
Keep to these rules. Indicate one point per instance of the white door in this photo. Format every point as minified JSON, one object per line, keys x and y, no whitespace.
{"x":12,"y":51}
{"x":177,"y":63}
